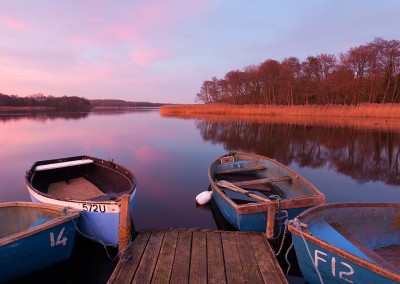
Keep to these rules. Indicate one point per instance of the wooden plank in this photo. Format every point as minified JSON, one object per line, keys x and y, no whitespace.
{"x":250,"y":268}
{"x":198,"y":259}
{"x":182,"y":256}
{"x":271,"y":222}
{"x":262,"y":181}
{"x":215,"y":259}
{"x":148,"y":262}
{"x":63,"y":165}
{"x":124,"y":230}
{"x":180,"y":269}
{"x":267,"y":263}
{"x":238,"y":170}
{"x":233,"y":266}
{"x":163,"y":271}
{"x":124,"y":271}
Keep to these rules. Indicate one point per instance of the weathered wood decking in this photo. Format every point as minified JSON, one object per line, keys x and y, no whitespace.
{"x":198,"y":256}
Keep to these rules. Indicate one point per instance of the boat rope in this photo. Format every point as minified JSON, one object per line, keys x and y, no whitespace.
{"x":297,"y":224}
{"x":286,"y":258}
{"x":96,"y":239}
{"x":283,"y":238}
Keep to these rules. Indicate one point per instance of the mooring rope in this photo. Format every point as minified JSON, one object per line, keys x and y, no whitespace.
{"x":98,"y":240}
{"x":297,"y":223}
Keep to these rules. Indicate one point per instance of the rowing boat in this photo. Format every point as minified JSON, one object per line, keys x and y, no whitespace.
{"x":93,"y":186}
{"x":34,"y":236}
{"x":252,"y":190}
{"x":348,"y":243}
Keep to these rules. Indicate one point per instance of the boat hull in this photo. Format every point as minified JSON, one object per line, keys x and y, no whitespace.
{"x":348,"y":242}
{"x":99,"y":222}
{"x":253,"y":221}
{"x":331,"y":266}
{"x":38,"y":249}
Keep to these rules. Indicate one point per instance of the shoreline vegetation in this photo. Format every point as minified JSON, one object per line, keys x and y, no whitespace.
{"x":371,"y":116}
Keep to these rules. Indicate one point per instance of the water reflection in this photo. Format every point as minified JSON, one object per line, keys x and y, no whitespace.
{"x":38,"y":115}
{"x":363,"y":154}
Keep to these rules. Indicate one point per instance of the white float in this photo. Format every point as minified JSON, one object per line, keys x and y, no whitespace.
{"x":203,"y":197}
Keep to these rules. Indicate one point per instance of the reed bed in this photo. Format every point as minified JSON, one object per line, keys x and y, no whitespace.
{"x":371,"y":116}
{"x":361,"y":111}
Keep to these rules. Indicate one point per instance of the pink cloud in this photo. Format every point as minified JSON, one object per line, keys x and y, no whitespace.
{"x":143,"y":57}
{"x":15,"y":24}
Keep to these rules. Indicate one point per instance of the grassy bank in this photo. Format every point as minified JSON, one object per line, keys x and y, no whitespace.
{"x":362,"y":111}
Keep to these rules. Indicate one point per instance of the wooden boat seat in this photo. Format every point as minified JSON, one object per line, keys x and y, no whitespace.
{"x":262,"y":181}
{"x":78,"y":188}
{"x":237,"y":170}
{"x":391,"y":254}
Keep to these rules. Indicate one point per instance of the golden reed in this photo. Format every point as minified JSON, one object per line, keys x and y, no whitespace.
{"x":363,"y":110}
{"x":383,"y":116}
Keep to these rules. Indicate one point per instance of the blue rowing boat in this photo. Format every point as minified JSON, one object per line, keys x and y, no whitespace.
{"x":95,"y":187}
{"x":348,"y":243}
{"x":34,"y":236}
{"x":252,"y":190}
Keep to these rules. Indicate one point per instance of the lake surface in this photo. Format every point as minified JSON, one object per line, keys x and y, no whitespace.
{"x":170,"y":157}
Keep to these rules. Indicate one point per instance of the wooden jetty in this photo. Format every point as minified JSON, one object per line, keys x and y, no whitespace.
{"x":198,"y":256}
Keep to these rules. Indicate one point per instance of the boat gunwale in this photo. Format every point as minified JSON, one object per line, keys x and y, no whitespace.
{"x":338,"y":251}
{"x":127,"y":174}
{"x":256,"y":207}
{"x":70,"y":215}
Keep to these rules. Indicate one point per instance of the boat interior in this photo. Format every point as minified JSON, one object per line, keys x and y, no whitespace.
{"x":260,"y":177}
{"x":377,"y":242}
{"x":93,"y":182}
{"x":16,"y":219}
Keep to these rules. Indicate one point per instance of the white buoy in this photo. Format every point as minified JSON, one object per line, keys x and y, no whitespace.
{"x":203,"y":197}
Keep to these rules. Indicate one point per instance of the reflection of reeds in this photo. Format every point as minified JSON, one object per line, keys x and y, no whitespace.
{"x":384,"y":116}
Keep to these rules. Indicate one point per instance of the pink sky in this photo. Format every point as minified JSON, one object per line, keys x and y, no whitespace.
{"x":163,"y":50}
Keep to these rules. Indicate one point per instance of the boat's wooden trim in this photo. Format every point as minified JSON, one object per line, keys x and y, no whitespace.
{"x":238,"y":170}
{"x":63,"y":165}
{"x":262,"y":181}
{"x":342,"y":253}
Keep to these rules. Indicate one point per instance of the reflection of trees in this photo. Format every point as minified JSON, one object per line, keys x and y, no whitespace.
{"x":119,"y":111}
{"x":43,"y":115}
{"x":40,"y":115}
{"x":363,"y":154}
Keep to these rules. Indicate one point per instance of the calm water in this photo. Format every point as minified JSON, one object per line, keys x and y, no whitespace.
{"x":170,"y":157}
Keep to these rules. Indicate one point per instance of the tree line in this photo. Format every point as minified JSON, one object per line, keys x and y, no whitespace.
{"x":65,"y":103}
{"x":369,"y":73}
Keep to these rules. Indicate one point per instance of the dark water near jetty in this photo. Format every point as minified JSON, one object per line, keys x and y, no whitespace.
{"x":170,"y":157}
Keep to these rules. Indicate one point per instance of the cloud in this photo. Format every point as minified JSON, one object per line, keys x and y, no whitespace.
{"x":15,"y":24}
{"x":147,"y":56}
